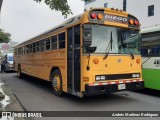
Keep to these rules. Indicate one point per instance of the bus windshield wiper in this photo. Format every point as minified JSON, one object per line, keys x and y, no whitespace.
{"x":124,"y":46}
{"x":110,"y":44}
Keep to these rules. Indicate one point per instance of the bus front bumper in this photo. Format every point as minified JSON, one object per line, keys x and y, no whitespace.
{"x":111,"y":87}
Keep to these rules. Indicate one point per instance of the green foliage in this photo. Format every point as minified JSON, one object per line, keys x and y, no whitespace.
{"x":58,"y":5}
{"x":4,"y":37}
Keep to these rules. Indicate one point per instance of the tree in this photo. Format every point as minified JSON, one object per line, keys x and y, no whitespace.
{"x":58,"y":5}
{"x":4,"y":37}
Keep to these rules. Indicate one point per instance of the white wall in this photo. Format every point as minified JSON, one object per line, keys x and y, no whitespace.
{"x":100,"y":3}
{"x":138,"y":8}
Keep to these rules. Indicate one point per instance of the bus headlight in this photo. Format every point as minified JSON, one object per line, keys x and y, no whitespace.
{"x":136,"y":75}
{"x":98,"y":77}
{"x":102,"y":77}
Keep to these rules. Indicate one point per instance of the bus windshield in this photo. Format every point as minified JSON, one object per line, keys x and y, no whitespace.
{"x":101,"y":39}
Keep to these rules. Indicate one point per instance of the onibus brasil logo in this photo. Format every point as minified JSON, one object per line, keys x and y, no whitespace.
{"x":12,"y":115}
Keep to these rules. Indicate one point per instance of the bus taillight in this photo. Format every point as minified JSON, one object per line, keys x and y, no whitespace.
{"x":93,"y":15}
{"x":131,"y":21}
{"x":100,"y":16}
{"x":136,"y":22}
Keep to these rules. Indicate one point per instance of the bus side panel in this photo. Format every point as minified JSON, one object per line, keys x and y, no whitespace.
{"x":151,"y":78}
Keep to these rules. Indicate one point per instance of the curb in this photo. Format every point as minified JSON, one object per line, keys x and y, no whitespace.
{"x":14,"y":103}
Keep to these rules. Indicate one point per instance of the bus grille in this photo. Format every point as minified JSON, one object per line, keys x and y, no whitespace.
{"x":116,"y":76}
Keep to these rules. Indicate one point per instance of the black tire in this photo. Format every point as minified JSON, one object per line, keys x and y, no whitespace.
{"x":2,"y":68}
{"x":19,"y":73}
{"x":58,"y":91}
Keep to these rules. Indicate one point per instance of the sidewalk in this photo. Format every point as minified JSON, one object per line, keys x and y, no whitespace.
{"x":8,"y":101}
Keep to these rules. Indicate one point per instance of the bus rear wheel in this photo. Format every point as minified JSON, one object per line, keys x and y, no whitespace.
{"x":19,"y":73}
{"x":56,"y":79}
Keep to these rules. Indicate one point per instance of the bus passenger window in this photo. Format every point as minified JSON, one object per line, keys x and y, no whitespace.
{"x":54,"y":42}
{"x":48,"y":44}
{"x":38,"y":46}
{"x":30,"y":48}
{"x":34,"y":47}
{"x":42,"y":45}
{"x":20,"y":51}
{"x":27,"y":49}
{"x":61,"y":38}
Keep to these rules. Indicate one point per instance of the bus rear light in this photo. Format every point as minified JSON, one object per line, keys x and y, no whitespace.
{"x":100,"y":16}
{"x":85,"y":79}
{"x":93,"y":15}
{"x":131,"y":21}
{"x":137,"y":60}
{"x":136,"y":22}
{"x":95,"y":60}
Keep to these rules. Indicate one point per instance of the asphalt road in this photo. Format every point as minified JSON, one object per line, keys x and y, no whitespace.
{"x":36,"y":95}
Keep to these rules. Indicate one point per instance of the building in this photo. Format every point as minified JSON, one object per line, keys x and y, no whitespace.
{"x":7,"y":47}
{"x":147,"y":11}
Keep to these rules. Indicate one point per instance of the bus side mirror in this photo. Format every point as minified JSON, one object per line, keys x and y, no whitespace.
{"x":90,"y":49}
{"x":87,"y":34}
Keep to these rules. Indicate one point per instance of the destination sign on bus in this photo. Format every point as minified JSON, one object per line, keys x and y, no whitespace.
{"x":115,"y":18}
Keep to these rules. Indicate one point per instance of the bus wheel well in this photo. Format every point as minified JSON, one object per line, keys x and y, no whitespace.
{"x":19,"y":65}
{"x":52,"y":70}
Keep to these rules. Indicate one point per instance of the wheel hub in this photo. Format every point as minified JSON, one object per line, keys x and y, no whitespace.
{"x":56,"y":82}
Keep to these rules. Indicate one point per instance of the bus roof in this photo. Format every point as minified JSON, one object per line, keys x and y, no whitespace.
{"x":64,"y":24}
{"x":67,"y":23}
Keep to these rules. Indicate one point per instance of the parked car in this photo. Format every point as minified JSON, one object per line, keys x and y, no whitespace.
{"x":7,"y":62}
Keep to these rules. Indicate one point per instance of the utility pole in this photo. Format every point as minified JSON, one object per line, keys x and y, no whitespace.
{"x":1,"y":1}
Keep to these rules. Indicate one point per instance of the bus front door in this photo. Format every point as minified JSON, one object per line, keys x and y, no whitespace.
{"x":73,"y":60}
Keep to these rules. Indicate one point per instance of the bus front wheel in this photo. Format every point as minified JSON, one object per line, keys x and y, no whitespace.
{"x":56,"y":79}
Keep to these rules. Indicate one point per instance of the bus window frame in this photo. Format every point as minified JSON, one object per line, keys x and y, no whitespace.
{"x":54,"y":42}
{"x":46,"y":39}
{"x":62,"y":40}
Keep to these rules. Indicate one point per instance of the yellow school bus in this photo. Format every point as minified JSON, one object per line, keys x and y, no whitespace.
{"x":94,"y":53}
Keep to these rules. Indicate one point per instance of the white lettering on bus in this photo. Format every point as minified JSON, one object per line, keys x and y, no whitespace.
{"x":116,"y":18}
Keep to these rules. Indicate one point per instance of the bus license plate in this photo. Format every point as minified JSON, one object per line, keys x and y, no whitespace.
{"x":121,"y":86}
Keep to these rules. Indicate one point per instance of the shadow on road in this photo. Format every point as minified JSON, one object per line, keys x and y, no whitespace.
{"x":31,"y":89}
{"x":45,"y":85}
{"x":147,"y":91}
{"x":40,"y":83}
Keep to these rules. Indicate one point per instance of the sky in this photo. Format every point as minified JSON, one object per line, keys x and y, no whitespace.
{"x":24,"y":19}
